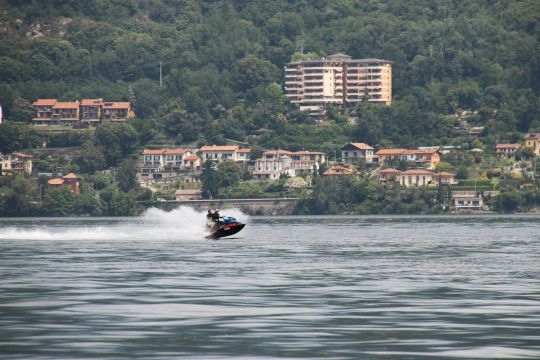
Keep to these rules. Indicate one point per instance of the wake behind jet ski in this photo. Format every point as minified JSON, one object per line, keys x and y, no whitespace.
{"x":219,"y":226}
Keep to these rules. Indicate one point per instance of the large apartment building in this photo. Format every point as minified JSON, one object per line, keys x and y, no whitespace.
{"x":88,"y":111}
{"x":338,"y":79}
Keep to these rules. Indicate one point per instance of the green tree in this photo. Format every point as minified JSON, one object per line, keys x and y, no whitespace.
{"x":209,"y":180}
{"x":462,"y":173}
{"x":16,"y":136}
{"x":22,"y":110}
{"x":118,"y":141}
{"x":90,"y":158}
{"x":229,"y":173}
{"x":509,"y":201}
{"x":127,"y":175}
{"x":59,"y":201}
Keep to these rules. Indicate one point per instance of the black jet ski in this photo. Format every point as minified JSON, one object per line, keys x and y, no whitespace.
{"x":226,"y":226}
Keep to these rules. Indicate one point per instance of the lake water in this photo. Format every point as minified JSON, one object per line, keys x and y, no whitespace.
{"x":388,"y":287}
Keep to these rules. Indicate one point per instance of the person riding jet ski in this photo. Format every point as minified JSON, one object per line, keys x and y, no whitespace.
{"x":219,"y":226}
{"x":215,"y":215}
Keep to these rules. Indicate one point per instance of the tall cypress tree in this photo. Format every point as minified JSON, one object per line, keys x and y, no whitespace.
{"x":209,"y":180}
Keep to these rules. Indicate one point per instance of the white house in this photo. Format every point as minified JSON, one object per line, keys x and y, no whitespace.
{"x":313,"y":156}
{"x":353,"y":152}
{"x":228,"y":152}
{"x":467,"y":200}
{"x":274,"y":163}
{"x":415,"y":177}
{"x":162,"y":162}
{"x":271,"y":168}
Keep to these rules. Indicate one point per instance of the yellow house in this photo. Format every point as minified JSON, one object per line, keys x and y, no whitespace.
{"x":15,"y":164}
{"x":533,"y":141}
{"x":416,"y":177}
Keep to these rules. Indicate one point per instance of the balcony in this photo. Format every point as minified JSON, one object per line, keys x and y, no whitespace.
{"x":313,"y":80}
{"x":293,"y":81}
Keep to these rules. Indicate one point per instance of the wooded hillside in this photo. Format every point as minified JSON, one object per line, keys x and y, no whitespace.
{"x":223,"y":64}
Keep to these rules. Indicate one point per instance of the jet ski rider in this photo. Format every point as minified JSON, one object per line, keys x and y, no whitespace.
{"x":215,"y":215}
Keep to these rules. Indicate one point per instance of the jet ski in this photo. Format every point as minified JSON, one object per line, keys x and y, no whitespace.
{"x":225,"y":226}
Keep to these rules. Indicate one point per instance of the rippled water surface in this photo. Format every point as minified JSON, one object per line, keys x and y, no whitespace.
{"x":285,"y":287}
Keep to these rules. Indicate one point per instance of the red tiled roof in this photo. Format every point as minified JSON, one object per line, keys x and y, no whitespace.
{"x":164,"y":151}
{"x":532,"y":136}
{"x":56,"y":181}
{"x":426,"y":151}
{"x":409,"y":152}
{"x":19,"y":154}
{"x":308,"y":153}
{"x":244,"y":150}
{"x":508,"y":146}
{"x":152,"y":152}
{"x":174,"y":151}
{"x":70,"y":176}
{"x":191,"y":158}
{"x":417,"y":172}
{"x":220,"y":148}
{"x":277,"y":152}
{"x":390,"y":152}
{"x":362,"y":146}
{"x":116,"y":105}
{"x":44,"y":102}
{"x":91,"y":102}
{"x":338,"y":170}
{"x":66,"y":105}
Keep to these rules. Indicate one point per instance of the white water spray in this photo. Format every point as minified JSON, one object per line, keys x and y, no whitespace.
{"x":182,"y":223}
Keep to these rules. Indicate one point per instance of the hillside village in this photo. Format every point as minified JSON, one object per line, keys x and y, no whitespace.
{"x":174,"y":173}
{"x":371,"y":108}
{"x":181,"y":173}
{"x":224,"y":171}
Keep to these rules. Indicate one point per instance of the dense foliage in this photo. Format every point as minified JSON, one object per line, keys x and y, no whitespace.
{"x":456,"y":64}
{"x":222,"y":63}
{"x":353,"y":195}
{"x":25,"y":196}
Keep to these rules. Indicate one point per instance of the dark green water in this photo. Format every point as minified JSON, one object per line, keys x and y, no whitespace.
{"x":286,"y":287}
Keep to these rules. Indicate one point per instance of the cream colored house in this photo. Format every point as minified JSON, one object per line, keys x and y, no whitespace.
{"x":313,"y":156}
{"x":271,"y":168}
{"x":415,"y":177}
{"x":228,"y":152}
{"x":16,"y":163}
{"x":388,"y":175}
{"x":338,"y":80}
{"x":467,"y":200}
{"x":274,"y":163}
{"x":533,"y":141}
{"x":353,"y":152}
{"x":159,"y":163}
{"x":192,"y":162}
{"x":507,"y":150}
{"x":428,"y":158}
